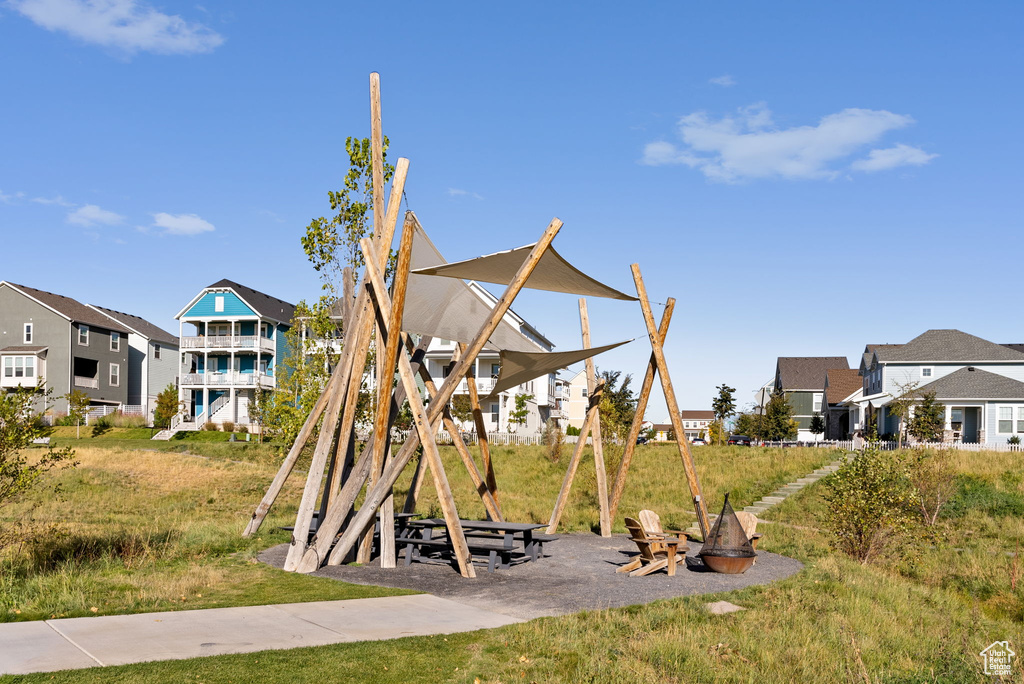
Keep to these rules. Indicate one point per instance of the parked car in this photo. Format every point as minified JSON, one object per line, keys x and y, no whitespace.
{"x":699,"y":442}
{"x":739,"y":440}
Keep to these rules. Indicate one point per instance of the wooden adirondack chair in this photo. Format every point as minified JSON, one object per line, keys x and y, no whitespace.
{"x":651,"y":523}
{"x":749,"y":523}
{"x":650,"y":560}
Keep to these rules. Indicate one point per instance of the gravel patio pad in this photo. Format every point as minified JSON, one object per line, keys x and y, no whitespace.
{"x":577,"y":573}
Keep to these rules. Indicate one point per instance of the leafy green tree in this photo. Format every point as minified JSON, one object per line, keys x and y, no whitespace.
{"x":166,"y":407}
{"x":462,"y":408}
{"x":724,"y":406}
{"x":817,"y":424}
{"x":618,"y":405}
{"x":900,"y":407}
{"x":929,"y":419}
{"x":748,"y":424}
{"x":21,"y":470}
{"x":716,"y":432}
{"x":778,"y":418}
{"x":518,"y":415}
{"x":78,"y":406}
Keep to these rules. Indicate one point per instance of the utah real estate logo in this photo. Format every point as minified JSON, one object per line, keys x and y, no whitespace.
{"x":997,"y":658}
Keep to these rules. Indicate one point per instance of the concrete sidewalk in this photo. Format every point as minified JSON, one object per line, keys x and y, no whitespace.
{"x":75,"y":643}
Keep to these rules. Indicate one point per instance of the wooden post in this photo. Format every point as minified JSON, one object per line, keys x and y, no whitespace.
{"x":424,"y":427}
{"x":570,"y":473}
{"x":638,"y":418}
{"x":481,"y":429}
{"x":444,"y":394}
{"x":599,"y":467}
{"x":700,"y":506}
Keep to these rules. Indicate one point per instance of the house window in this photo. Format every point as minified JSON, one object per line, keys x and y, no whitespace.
{"x":496,"y":369}
{"x":19,"y":366}
{"x":1020,"y":419}
{"x":1005,"y":419}
{"x":265,"y":330}
{"x":494,"y":412}
{"x":926,"y":372}
{"x":218,"y":303}
{"x":263,"y":366}
{"x":156,"y":351}
{"x":817,"y":402}
{"x":28,"y":333}
{"x":115,"y":375}
{"x":584,"y":392}
{"x":115,"y":341}
{"x":83,"y":335}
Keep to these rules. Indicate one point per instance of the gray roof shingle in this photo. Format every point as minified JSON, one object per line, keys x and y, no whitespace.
{"x":807,"y":372}
{"x":842,"y":382}
{"x":73,"y":309}
{"x":948,"y":345}
{"x":141,"y":325}
{"x":265,"y":305}
{"x":973,"y":383}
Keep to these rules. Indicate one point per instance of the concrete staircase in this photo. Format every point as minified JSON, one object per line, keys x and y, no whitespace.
{"x":784,"y":492}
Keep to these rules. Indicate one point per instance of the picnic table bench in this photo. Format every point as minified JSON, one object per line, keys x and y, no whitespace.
{"x":498,"y":540}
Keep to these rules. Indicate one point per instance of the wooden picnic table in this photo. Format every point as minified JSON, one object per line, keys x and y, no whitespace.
{"x":497,"y":539}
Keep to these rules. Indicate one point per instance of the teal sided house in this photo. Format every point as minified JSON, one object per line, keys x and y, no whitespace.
{"x":232,"y":340}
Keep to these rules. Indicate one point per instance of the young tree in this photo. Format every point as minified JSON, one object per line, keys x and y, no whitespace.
{"x":778,"y":418}
{"x":748,"y":424}
{"x":78,"y":406}
{"x":618,"y":406}
{"x":166,"y":407}
{"x":900,"y":407}
{"x":723,"y":406}
{"x":716,"y":432}
{"x":929,"y":419}
{"x":462,"y":408}
{"x":817,"y":425}
{"x":20,"y":469}
{"x":518,"y":416}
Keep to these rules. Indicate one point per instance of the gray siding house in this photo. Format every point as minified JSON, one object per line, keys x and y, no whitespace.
{"x":152,"y":359}
{"x":802,"y":380}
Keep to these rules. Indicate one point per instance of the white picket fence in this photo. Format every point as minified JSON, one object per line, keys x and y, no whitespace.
{"x":496,"y":438}
{"x":97,"y":412}
{"x":892,"y":445}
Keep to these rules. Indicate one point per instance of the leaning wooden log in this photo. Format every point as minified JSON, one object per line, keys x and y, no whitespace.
{"x":599,"y":467}
{"x":376,"y":496}
{"x":577,"y":454}
{"x":481,"y":430}
{"x":638,"y":418}
{"x":673,"y":407}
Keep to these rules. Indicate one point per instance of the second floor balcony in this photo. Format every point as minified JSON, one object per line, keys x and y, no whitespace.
{"x":228,"y":379}
{"x":229,"y":342}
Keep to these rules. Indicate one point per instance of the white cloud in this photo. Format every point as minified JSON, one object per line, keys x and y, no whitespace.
{"x":749,"y":145}
{"x":181,"y":224}
{"x":725,"y":80}
{"x":9,"y":199}
{"x":58,"y":200}
{"x":890,"y":158}
{"x":129,"y":25}
{"x":91,"y":215}
{"x":456,"y":192}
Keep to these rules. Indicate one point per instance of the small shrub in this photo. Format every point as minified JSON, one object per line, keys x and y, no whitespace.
{"x":227,"y":426}
{"x":210,"y":426}
{"x":241,"y":429}
{"x":553,"y":440}
{"x":870,"y":499}
{"x":572,"y":431}
{"x":934,"y":481}
{"x":1013,"y":439}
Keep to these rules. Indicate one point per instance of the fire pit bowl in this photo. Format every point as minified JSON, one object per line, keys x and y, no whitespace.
{"x":728,"y":565}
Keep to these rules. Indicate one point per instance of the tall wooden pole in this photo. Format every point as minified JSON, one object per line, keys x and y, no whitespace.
{"x":481,"y":429}
{"x":577,"y":454}
{"x":444,"y":393}
{"x":641,"y":408}
{"x":699,"y":505}
{"x":599,"y":467}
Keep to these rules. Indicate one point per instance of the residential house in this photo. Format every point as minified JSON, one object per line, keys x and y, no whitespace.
{"x":695,"y":423}
{"x":152,"y":359}
{"x":843,"y":387}
{"x":55,"y":341}
{"x":801,"y":379}
{"x":235,"y":345}
{"x":545,"y":396}
{"x":577,"y":399}
{"x":980,"y":383}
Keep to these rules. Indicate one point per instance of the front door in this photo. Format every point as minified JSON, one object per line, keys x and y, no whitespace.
{"x":971,"y":422}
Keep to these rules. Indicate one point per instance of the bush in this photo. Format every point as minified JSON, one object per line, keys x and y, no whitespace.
{"x":227,"y":426}
{"x":241,"y":429}
{"x":870,"y":500}
{"x":572,"y":431}
{"x":210,"y":426}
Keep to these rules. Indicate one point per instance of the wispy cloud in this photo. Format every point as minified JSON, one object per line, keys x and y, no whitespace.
{"x":748,"y":145}
{"x":890,"y":158}
{"x":725,"y":80}
{"x":58,"y":200}
{"x":92,"y":215}
{"x":181,"y":224}
{"x":456,"y":192}
{"x":8,"y":198}
{"x":129,"y":25}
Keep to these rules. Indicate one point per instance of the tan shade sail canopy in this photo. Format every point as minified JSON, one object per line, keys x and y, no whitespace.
{"x":520,"y":367}
{"x":446,"y":308}
{"x":553,"y":273}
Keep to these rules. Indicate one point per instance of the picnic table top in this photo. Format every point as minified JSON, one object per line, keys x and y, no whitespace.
{"x":484,"y":525}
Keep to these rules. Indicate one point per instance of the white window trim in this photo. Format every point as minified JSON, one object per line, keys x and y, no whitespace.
{"x":11,"y":364}
{"x":931,"y":372}
{"x":115,"y":370}
{"x":156,"y":351}
{"x":83,"y":332}
{"x":115,"y":341}
{"x":27,"y":333}
{"x":218,"y":303}
{"x":816,"y":401}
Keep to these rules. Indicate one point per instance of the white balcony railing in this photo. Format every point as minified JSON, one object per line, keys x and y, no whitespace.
{"x":241,"y":342}
{"x":228,"y":379}
{"x":93,"y":383}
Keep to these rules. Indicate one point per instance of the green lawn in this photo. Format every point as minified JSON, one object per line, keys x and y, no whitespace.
{"x":921,"y":621}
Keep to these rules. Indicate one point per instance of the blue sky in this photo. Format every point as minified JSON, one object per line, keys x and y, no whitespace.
{"x":805,"y":178}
